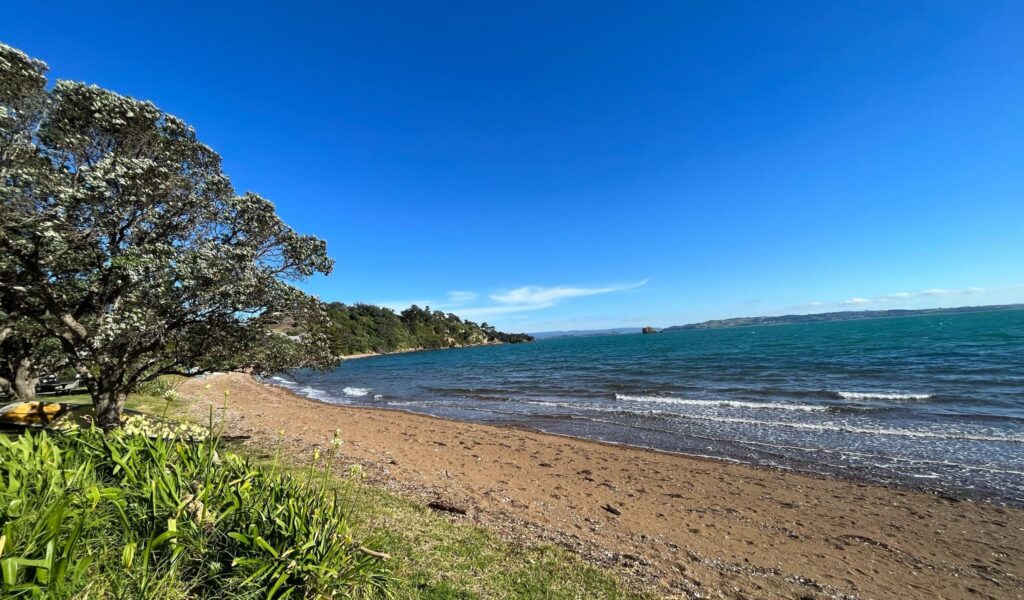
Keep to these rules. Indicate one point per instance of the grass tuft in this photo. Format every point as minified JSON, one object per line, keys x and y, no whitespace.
{"x":439,"y":557}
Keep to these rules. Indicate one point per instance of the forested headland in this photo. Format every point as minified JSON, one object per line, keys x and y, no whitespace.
{"x":365,"y":328}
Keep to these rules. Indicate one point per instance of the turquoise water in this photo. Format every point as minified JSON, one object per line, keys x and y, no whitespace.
{"x":931,"y":401}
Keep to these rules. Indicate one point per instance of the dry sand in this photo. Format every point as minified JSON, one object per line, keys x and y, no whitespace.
{"x":690,"y":527}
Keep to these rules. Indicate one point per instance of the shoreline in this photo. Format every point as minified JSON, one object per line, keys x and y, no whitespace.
{"x":903,"y":484}
{"x":683,"y":524}
{"x":369,"y":354}
{"x":411,"y":350}
{"x":895,"y":485}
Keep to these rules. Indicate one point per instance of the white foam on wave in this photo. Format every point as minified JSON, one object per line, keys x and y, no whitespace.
{"x":882,"y":396}
{"x":314,"y":393}
{"x":891,"y":431}
{"x":827,"y":426}
{"x":592,"y":407}
{"x":355,"y":391}
{"x":714,"y":403}
{"x":306,"y":390}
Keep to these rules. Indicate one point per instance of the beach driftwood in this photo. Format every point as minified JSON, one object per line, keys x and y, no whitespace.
{"x":445,"y":507}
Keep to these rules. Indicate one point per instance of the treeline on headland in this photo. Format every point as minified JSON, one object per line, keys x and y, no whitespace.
{"x":365,"y":328}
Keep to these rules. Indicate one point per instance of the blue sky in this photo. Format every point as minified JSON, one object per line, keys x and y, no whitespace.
{"x":582,"y":165}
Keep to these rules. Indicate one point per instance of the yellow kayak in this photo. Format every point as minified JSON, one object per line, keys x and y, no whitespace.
{"x":31,"y":413}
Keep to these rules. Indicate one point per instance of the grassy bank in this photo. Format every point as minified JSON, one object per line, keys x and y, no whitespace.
{"x":97,"y":516}
{"x":437,"y":557}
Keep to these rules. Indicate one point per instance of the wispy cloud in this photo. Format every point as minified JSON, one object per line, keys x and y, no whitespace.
{"x":900,"y":296}
{"x":481,"y":312}
{"x":931,"y":293}
{"x":896,"y":296}
{"x":534,"y":295}
{"x":461,"y":296}
{"x":451,"y":301}
{"x":511,"y":301}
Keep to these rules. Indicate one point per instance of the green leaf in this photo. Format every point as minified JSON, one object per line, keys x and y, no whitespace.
{"x":10,"y":571}
{"x":262,"y":543}
{"x":280,"y":581}
{"x":128,"y":554}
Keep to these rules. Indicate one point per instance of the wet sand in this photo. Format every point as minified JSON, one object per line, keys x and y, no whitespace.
{"x":689,"y":527}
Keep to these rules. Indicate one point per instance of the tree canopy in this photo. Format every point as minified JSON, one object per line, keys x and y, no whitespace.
{"x":122,"y":239}
{"x":364,"y":328}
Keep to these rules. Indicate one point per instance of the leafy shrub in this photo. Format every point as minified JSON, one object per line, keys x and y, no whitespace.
{"x":126,"y":516}
{"x":144,"y":425}
{"x":161,"y":387}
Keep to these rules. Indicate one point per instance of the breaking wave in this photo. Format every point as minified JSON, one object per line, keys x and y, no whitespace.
{"x":881,"y":396}
{"x":832,"y":427}
{"x":888,"y":431}
{"x":314,"y":393}
{"x":718,"y":403}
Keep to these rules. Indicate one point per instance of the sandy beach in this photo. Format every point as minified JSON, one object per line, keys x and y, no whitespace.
{"x":688,"y":527}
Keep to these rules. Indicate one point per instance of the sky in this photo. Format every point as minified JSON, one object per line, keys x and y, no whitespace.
{"x":546,"y":166}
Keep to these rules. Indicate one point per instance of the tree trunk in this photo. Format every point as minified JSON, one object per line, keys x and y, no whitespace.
{"x":108,"y":404}
{"x":23,"y":383}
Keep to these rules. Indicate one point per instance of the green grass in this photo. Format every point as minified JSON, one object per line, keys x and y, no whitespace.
{"x":140,"y":402}
{"x":433,"y":556}
{"x":151,"y":401}
{"x":442,"y":559}
{"x":437,"y":557}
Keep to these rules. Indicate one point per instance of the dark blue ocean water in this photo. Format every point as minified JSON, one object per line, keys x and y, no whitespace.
{"x":931,"y":401}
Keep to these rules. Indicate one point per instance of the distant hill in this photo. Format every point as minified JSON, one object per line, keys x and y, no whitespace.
{"x":851,"y":315}
{"x":547,"y":335}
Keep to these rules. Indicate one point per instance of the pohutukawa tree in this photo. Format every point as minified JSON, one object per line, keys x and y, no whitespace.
{"x":26,"y":352}
{"x":121,"y":238}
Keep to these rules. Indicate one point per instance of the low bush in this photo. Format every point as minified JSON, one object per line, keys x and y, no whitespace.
{"x":161,"y":387}
{"x":121,"y":515}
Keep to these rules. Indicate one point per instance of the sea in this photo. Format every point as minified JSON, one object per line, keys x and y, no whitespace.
{"x":932,"y":402}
